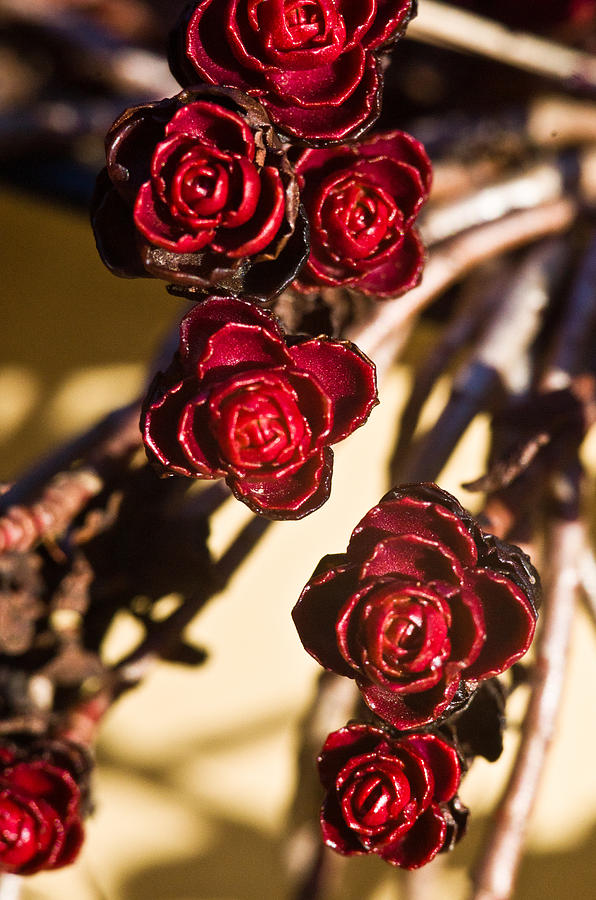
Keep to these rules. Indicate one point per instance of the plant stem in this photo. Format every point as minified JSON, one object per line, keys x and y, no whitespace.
{"x":440,"y":24}
{"x":392,"y":321}
{"x":48,"y":497}
{"x":497,"y":871}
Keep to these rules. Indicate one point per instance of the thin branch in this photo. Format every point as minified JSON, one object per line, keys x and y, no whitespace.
{"x":131,"y":70}
{"x":475,"y":304}
{"x":440,"y":24}
{"x":497,"y":871}
{"x":453,"y":261}
{"x":499,"y":361}
{"x":542,"y":183}
{"x":47,"y":498}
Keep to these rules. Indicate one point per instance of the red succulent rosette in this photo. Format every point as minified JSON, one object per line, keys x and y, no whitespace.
{"x":421,"y":608}
{"x":240,"y":402}
{"x":361,"y":201}
{"x":198,"y":190}
{"x":312,"y":63}
{"x":392,"y":797}
{"x":535,"y":15}
{"x":41,"y":806}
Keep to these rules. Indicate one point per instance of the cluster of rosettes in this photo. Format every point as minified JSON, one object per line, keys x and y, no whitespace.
{"x":198,"y":189}
{"x":42,"y":804}
{"x":422,"y":608}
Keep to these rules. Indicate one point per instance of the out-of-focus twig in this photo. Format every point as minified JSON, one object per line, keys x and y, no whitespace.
{"x":47,"y":498}
{"x":391,"y":321}
{"x":495,"y":876}
{"x":438,"y":23}
{"x":128,"y":69}
{"x":499,"y":360}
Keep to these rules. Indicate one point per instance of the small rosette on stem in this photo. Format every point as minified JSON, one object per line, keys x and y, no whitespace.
{"x":421,"y":607}
{"x":198,"y":191}
{"x":239,"y":401}
{"x":392,"y":797}
{"x":314,"y":64}
{"x":361,"y":201}
{"x":43,"y":798}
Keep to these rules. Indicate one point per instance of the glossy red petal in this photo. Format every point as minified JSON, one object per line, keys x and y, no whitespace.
{"x":214,"y":313}
{"x":335,"y":123}
{"x":197,"y":443}
{"x":421,"y":843}
{"x":414,"y":557}
{"x":160,"y":422}
{"x":407,"y":711}
{"x":289,"y":496}
{"x":407,"y":515}
{"x":256,"y":235}
{"x":442,"y":760}
{"x":391,"y":17}
{"x":157,"y":225}
{"x":399,"y":272}
{"x":214,"y":125}
{"x":346,"y":375}
{"x":510,"y":622}
{"x":401,"y":147}
{"x":324,"y":85}
{"x":401,"y":182}
{"x":344,"y":744}
{"x":214,"y":61}
{"x":239,"y":347}
{"x":316,"y":613}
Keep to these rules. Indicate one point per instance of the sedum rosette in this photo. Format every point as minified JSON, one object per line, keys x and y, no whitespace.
{"x":421,"y":607}
{"x":239,"y":401}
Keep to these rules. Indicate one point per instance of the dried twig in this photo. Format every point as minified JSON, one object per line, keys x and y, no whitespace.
{"x":456,"y":258}
{"x":499,"y":361}
{"x":48,"y":497}
{"x":440,"y":24}
{"x":496,"y":873}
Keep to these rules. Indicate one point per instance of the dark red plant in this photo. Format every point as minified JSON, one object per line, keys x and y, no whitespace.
{"x":40,"y":811}
{"x":361,"y":201}
{"x":198,"y":191}
{"x":313,"y":63}
{"x":390,"y":796}
{"x":240,"y":402}
{"x":421,"y":607}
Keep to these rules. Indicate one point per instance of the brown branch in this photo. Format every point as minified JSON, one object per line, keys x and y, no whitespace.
{"x":47,"y":498}
{"x":498,"y":361}
{"x":495,"y":876}
{"x":440,"y":24}
{"x":314,"y":870}
{"x":541,"y":183}
{"x":456,"y":258}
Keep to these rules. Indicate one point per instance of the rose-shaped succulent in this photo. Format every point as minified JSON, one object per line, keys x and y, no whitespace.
{"x":41,"y":808}
{"x":239,"y":402}
{"x":313,"y":63}
{"x":361,"y":201}
{"x":421,"y":607}
{"x":198,"y":191}
{"x":535,"y":15}
{"x":392,"y":797}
